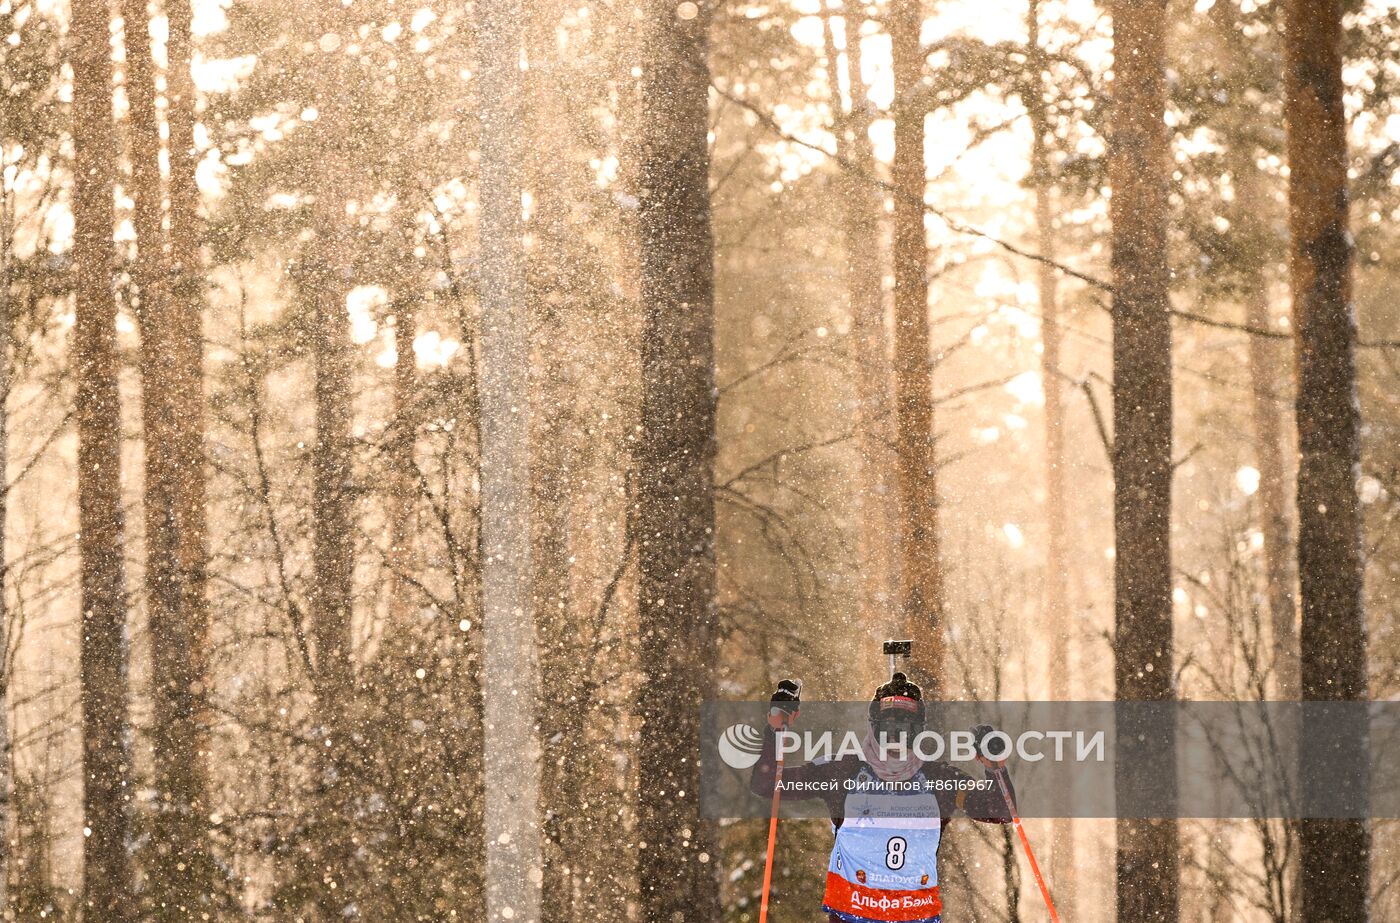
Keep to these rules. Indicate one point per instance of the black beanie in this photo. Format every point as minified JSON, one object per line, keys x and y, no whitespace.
{"x":898,"y":696}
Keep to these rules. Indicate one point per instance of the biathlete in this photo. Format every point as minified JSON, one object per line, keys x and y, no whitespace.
{"x":889,"y":809}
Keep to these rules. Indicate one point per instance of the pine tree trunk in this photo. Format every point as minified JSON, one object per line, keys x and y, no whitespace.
{"x":1057,"y":559}
{"x":187,"y":322}
{"x":143,"y":140}
{"x":1056,"y":516}
{"x":862,"y":205}
{"x":1334,"y":854}
{"x":326,"y":283}
{"x":108,"y":893}
{"x":1268,"y":376}
{"x":674,"y":517}
{"x":510,"y":667}
{"x":1148,"y":850}
{"x":172,"y":419}
{"x":556,"y":293}
{"x":332,"y":555}
{"x":404,"y":487}
{"x":324,"y":280}
{"x":7,"y":777}
{"x":186,"y":307}
{"x":561,"y":645}
{"x":921,"y":570}
{"x":332,"y":551}
{"x":403,"y":435}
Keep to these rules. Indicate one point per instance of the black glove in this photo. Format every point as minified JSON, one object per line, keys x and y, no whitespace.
{"x":979,"y":735}
{"x":784,"y":704}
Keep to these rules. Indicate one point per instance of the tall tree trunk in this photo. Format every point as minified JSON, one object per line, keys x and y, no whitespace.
{"x":509,"y":667}
{"x":108,"y":893}
{"x":1147,"y":864}
{"x":555,"y":292}
{"x":143,"y":140}
{"x":1268,"y":374}
{"x":403,"y":435}
{"x":1268,"y":377}
{"x":325,"y":279}
{"x":186,"y":307}
{"x":172,"y":421}
{"x":1057,"y":559}
{"x":561,"y":645}
{"x":327,"y":283}
{"x":862,"y":204}
{"x":187,"y":322}
{"x":1334,"y":854}
{"x":8,"y":804}
{"x":674,"y":518}
{"x":403,"y":491}
{"x":332,"y":549}
{"x":921,"y":570}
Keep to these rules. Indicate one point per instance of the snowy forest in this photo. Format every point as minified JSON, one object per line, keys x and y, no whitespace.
{"x":413,"y":410}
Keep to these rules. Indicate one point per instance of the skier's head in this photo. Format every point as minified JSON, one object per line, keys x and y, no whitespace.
{"x":898,"y":707}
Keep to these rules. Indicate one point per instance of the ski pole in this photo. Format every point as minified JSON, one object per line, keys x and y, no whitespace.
{"x":793,"y":688}
{"x":772,"y":841}
{"x":1025,"y":841}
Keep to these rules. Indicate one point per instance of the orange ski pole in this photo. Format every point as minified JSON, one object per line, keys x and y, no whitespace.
{"x":1025,"y":841}
{"x":772,"y":841}
{"x":779,"y":716}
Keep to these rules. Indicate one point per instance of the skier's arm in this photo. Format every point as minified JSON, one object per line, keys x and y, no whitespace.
{"x":987,"y":803}
{"x":800,"y":781}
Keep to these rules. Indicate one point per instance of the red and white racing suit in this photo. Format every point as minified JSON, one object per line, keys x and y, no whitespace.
{"x":884,"y":862}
